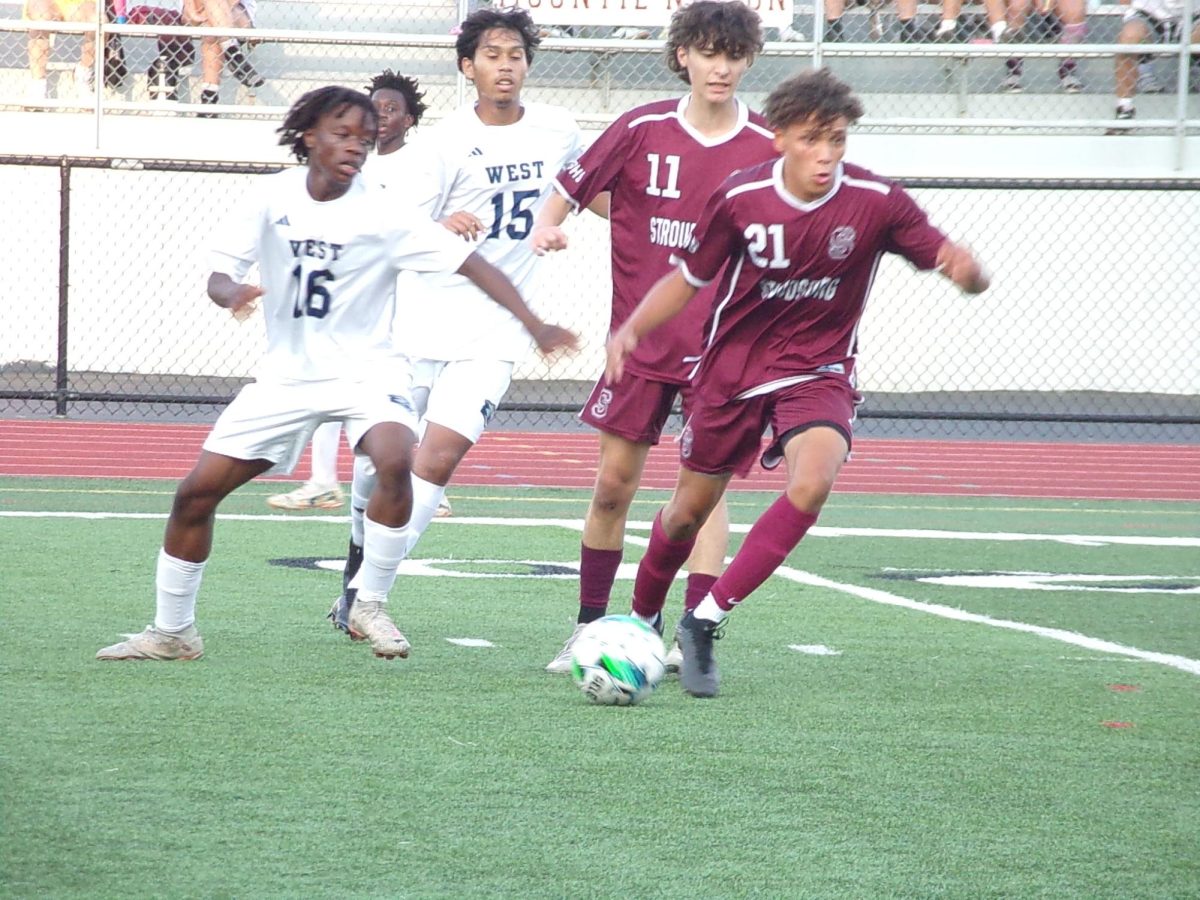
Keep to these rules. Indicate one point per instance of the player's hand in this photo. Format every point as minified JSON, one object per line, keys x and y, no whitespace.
{"x":548,"y":238}
{"x":245,"y":301}
{"x":960,"y":266}
{"x":552,"y":338}
{"x":619,"y":348}
{"x":465,"y":224}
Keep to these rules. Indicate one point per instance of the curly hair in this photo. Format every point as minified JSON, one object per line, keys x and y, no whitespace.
{"x":308,"y":110}
{"x":407,"y":87}
{"x":730,"y":28}
{"x":485,"y":19}
{"x":810,"y":94}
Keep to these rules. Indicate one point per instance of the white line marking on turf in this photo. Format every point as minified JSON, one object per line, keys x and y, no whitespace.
{"x":577,"y":525}
{"x":1183,"y":663}
{"x":814,"y":649}
{"x":470,"y":642}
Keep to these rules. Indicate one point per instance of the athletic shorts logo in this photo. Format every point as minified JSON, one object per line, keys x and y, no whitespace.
{"x":402,"y":401}
{"x":685,"y":442}
{"x":600,"y":407}
{"x":841,"y":242}
{"x":487,"y":411}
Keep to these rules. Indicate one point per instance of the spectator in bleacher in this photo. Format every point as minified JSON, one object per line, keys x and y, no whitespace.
{"x":1146,"y":21}
{"x":217,"y":52}
{"x":1066,"y":18}
{"x":947,"y":29}
{"x":174,"y":51}
{"x":39,"y":45}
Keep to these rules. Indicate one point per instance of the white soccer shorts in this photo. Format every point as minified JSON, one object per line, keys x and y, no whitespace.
{"x":274,"y":421}
{"x":461,"y":394}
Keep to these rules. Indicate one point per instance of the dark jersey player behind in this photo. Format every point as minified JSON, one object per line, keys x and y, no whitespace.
{"x":795,"y":243}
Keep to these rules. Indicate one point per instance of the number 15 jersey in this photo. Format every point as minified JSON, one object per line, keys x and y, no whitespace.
{"x":501,"y":174}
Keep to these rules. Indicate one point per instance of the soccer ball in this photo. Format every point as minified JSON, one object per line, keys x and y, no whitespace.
{"x":618,"y":661}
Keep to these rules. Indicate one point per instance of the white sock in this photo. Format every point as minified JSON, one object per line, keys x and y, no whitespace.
{"x":998,"y":29}
{"x":384,"y":549}
{"x":360,"y":492}
{"x":324,"y":454}
{"x":1124,"y":103}
{"x":709,"y":611}
{"x":649,"y":620}
{"x":229,"y":44}
{"x":177,"y":582}
{"x":426,"y":497}
{"x":947,"y":25}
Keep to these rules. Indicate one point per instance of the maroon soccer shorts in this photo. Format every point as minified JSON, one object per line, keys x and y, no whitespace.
{"x":636,"y":408}
{"x":721,"y":439}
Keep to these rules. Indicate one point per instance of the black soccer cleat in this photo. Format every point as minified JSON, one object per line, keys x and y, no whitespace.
{"x":240,"y":68}
{"x":339,"y":613}
{"x":698,"y":672}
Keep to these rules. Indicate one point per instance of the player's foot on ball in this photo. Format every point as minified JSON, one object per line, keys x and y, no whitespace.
{"x":369,"y":621}
{"x":561,"y":664}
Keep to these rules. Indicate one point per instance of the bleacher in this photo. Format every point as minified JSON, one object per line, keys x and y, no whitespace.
{"x":932,"y":82}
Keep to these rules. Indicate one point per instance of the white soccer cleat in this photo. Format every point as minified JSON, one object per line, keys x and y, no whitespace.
{"x":443,"y":510}
{"x":309,"y":496}
{"x":154,"y":644}
{"x":369,"y":621}
{"x":561,"y":664}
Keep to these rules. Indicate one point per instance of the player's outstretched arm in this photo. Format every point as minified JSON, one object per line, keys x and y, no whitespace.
{"x":547,"y":235}
{"x":496,"y":285}
{"x":663,"y":302}
{"x":232,"y":295}
{"x":960,"y":266}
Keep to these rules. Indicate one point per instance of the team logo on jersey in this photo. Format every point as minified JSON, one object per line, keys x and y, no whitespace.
{"x":841,"y":242}
{"x":685,"y":442}
{"x":487,"y":411}
{"x":600,"y":407}
{"x":283,"y":220}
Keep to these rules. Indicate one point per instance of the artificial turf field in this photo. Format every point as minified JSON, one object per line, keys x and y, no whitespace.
{"x":938,"y":696}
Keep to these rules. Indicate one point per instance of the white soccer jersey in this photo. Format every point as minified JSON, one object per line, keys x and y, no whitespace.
{"x":502,"y":174}
{"x":1163,"y":10}
{"x":329,"y":271}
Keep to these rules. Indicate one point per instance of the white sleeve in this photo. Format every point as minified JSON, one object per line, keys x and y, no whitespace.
{"x":417,"y":243}
{"x":427,"y":179}
{"x":235,"y":246}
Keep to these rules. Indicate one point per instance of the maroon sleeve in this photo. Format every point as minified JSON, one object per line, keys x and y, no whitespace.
{"x":597,"y":168}
{"x":717,"y":239}
{"x":909,"y":231}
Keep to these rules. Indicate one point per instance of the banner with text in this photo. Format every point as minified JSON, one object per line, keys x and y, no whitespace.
{"x":647,"y":13}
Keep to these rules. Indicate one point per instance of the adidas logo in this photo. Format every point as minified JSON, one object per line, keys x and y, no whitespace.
{"x":283,"y":220}
{"x":476,"y":152}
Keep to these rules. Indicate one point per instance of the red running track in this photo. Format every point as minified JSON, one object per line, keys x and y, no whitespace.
{"x":541,"y":459}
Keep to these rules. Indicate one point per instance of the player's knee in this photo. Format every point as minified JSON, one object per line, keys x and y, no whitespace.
{"x":809,"y":494}
{"x":195,"y":500}
{"x":613,"y":494}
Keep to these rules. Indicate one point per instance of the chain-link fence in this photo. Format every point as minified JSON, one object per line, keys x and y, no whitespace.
{"x":1051,"y":69}
{"x":1094,"y":313}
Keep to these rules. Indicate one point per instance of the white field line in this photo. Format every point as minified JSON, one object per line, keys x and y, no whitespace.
{"x":874,"y":595}
{"x":947,"y":612}
{"x":1087,"y":540}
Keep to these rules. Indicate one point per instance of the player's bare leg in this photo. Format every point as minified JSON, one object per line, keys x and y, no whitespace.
{"x":438,"y":456}
{"x":187,"y":544}
{"x":385,"y":538}
{"x":618,"y":473}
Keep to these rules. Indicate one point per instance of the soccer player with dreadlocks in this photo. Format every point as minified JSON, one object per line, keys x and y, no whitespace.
{"x":329,"y":247}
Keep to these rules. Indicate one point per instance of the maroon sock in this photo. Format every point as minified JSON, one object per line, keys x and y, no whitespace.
{"x":698,"y":586}
{"x":597,"y":572}
{"x":773,"y":537}
{"x":658,"y":569}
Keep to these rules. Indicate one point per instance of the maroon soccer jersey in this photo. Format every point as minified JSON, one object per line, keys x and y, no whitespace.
{"x":661,"y":172}
{"x":795,"y":275}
